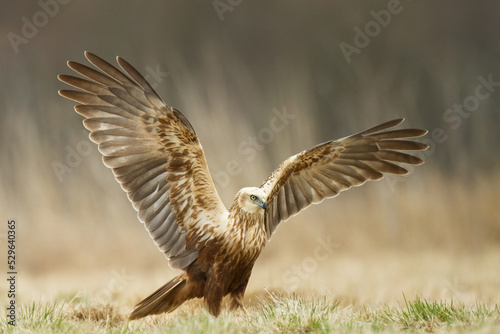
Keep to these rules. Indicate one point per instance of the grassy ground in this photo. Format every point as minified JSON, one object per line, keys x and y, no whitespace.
{"x":273,"y":313}
{"x":377,"y":292}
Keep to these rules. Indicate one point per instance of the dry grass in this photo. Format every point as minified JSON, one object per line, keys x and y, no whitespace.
{"x":363,"y":279}
{"x":274,"y":313}
{"x":375,"y":292}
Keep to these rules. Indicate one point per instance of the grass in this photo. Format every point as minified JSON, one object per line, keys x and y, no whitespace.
{"x":274,"y":313}
{"x":345,"y":294}
{"x":420,"y":314}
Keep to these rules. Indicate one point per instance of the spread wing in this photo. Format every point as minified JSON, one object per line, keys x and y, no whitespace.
{"x":329,"y":168}
{"x":154,"y":154}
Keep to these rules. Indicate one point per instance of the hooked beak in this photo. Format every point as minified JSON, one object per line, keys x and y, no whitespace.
{"x":263,"y":205}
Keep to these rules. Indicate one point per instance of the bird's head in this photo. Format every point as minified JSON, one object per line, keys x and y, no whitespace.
{"x":252,"y":199}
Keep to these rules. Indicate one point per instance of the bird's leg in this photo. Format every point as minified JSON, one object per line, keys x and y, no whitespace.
{"x":237,"y":302}
{"x":213,"y":296}
{"x":214,"y":300}
{"x":237,"y":297}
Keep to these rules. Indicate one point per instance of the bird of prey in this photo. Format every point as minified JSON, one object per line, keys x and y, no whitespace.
{"x":158,"y":160}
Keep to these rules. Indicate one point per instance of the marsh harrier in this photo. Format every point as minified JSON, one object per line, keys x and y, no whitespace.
{"x":157,"y":158}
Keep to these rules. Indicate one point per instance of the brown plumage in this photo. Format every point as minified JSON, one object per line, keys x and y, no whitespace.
{"x":157,"y":158}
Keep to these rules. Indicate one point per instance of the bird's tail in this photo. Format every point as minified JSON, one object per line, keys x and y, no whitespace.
{"x":165,"y":299}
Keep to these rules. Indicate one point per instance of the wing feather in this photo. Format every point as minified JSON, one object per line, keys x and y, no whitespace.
{"x":157,"y":219}
{"x":403,"y":145}
{"x":92,"y":74}
{"x":299,"y":198}
{"x":154,"y":154}
{"x":291,"y":201}
{"x":329,"y":168}
{"x":170,"y":229}
{"x":91,"y":111}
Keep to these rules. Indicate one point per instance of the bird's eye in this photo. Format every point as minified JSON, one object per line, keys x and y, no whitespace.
{"x":253,"y":197}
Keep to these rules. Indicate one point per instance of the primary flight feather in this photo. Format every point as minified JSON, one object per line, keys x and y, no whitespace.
{"x":157,"y":158}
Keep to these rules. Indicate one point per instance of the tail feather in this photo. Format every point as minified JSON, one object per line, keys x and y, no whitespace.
{"x":165,"y":299}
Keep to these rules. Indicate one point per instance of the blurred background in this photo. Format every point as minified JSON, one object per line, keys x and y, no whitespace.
{"x":324,"y":70}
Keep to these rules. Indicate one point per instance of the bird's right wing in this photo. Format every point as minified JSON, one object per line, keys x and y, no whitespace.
{"x":154,"y":154}
{"x":329,"y":168}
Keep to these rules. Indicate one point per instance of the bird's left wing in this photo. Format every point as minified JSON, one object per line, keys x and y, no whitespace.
{"x":154,"y":154}
{"x":329,"y":168}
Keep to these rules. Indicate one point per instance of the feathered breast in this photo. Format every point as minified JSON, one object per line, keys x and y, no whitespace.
{"x":246,"y":234}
